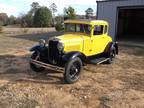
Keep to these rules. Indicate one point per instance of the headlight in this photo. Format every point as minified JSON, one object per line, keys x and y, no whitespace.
{"x":42,"y":42}
{"x":60,"y":46}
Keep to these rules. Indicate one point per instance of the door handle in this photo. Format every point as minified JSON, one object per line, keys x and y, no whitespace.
{"x":91,"y":40}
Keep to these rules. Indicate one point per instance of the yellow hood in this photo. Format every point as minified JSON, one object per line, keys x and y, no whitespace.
{"x":72,"y":42}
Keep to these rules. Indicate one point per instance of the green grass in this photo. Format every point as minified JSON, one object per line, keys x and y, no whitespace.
{"x":138,"y":50}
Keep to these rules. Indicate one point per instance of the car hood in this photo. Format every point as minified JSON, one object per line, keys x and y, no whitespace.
{"x":72,"y":42}
{"x":69,"y":38}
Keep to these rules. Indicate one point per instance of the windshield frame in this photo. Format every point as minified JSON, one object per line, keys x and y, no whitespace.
{"x":84,"y":31}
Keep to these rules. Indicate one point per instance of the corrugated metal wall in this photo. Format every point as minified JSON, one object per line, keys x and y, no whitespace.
{"x":107,"y":10}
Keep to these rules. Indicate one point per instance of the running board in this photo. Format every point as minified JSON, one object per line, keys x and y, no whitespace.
{"x":48,"y":66}
{"x":99,"y":60}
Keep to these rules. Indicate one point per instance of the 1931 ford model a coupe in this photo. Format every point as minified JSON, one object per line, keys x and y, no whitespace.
{"x":84,"y":41}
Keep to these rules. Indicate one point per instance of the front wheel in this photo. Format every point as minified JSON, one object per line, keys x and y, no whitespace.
{"x":72,"y":70}
{"x":35,"y":67}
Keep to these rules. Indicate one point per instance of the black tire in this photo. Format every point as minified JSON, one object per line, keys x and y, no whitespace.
{"x":72,"y":70}
{"x":111,"y":56}
{"x":34,"y":67}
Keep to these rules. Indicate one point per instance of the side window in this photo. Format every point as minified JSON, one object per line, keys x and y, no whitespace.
{"x":98,"y":30}
{"x":105,"y":30}
{"x":70,"y":27}
{"x":87,"y":29}
{"x":79,"y":28}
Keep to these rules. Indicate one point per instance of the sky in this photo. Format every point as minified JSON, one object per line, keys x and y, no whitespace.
{"x":17,"y":7}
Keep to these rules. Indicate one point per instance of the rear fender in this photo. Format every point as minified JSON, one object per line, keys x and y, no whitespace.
{"x":110,"y":47}
{"x":116,"y":46}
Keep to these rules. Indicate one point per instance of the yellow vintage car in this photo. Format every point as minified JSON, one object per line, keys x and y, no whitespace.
{"x":83,"y":42}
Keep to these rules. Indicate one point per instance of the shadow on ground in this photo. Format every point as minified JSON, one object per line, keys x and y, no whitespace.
{"x":16,"y":69}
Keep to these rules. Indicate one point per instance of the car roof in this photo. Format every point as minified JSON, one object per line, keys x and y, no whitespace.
{"x":87,"y":21}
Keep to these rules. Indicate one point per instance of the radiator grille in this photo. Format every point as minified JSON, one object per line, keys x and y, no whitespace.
{"x":53,"y":52}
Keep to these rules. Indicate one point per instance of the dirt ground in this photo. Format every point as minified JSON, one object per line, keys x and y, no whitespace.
{"x":119,"y":85}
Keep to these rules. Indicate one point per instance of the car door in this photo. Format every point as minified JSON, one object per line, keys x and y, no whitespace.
{"x":87,"y":39}
{"x":98,"y":39}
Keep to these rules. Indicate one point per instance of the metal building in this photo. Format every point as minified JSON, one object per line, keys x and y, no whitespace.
{"x":126,"y":18}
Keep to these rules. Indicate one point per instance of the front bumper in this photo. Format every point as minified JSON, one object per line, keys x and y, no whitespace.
{"x":48,"y":66}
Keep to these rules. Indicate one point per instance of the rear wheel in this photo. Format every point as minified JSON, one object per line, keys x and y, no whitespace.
{"x":33,"y":66}
{"x":72,"y":70}
{"x":112,"y":55}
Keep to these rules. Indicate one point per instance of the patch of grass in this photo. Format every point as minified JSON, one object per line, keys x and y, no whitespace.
{"x":27,"y":103}
{"x":3,"y":88}
{"x":138,"y":50}
{"x":133,"y":81}
{"x":25,"y":30}
{"x":103,"y":101}
{"x":1,"y":29}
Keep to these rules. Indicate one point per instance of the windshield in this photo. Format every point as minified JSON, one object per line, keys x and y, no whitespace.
{"x":82,"y":28}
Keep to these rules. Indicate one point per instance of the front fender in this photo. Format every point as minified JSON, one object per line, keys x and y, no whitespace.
{"x":71,"y":55}
{"x":36,"y":48}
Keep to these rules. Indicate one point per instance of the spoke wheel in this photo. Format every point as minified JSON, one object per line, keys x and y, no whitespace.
{"x":112,"y":55}
{"x":35,"y":67}
{"x":72,"y":70}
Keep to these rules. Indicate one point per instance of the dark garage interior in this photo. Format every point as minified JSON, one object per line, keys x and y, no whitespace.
{"x":130,"y":24}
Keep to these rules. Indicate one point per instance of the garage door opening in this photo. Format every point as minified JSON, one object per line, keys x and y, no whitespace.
{"x":130,"y":24}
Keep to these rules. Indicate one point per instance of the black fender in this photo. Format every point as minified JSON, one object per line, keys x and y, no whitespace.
{"x":71,"y":55}
{"x":116,"y":46}
{"x":110,"y":47}
{"x":41,"y":51}
{"x":36,"y":48}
